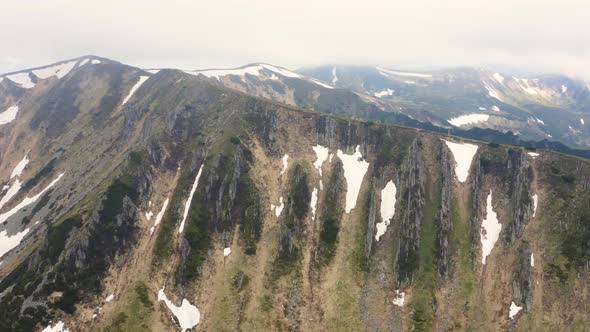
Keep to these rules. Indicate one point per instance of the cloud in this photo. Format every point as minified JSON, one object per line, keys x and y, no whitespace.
{"x":537,"y":35}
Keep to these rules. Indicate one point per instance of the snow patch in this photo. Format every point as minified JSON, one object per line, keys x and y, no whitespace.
{"x":491,"y":91}
{"x":285,"y":163}
{"x":7,"y":243}
{"x":532,"y":260}
{"x":226,"y":251}
{"x":321,"y":153}
{"x":468,"y":119}
{"x":496,"y":108}
{"x":539,"y":121}
{"x":28,"y":200}
{"x":149,"y":215}
{"x":187,"y":314}
{"x":95,"y":62}
{"x":59,"y":327}
{"x":109,"y":298}
{"x":400,"y":298}
{"x":142,"y":79}
{"x":187,"y":205}
{"x":60,"y":70}
{"x":533,"y":154}
{"x":9,"y":115}
{"x":389,"y":72}
{"x":383,"y":93}
{"x":354,"y":172}
{"x":535,"y":202}
{"x":83,"y":62}
{"x":524,"y":85}
{"x":334,"y":76}
{"x":463,"y":154}
{"x":490,"y":230}
{"x":278,"y":208}
{"x":563,"y":88}
{"x":582,"y":121}
{"x":314,"y":202}
{"x":498,"y":77}
{"x":12,"y":190}
{"x":20,"y":167}
{"x":159,"y":216}
{"x":320,"y":83}
{"x":387,"y":208}
{"x":22,"y":79}
{"x":514,"y":309}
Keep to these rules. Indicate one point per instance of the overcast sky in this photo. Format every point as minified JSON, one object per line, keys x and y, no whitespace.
{"x":551,"y":36}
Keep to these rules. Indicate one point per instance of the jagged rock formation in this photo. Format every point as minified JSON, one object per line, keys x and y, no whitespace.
{"x":444,"y":223}
{"x":522,"y":293}
{"x":412,"y":197}
{"x":519,"y":189}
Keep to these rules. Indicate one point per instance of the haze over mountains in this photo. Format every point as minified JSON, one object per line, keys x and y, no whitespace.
{"x":260,"y":198}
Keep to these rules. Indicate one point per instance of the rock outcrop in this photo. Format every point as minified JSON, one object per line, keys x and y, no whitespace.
{"x":522,"y":292}
{"x":412,"y":200}
{"x":444,"y":224}
{"x":519,"y":192}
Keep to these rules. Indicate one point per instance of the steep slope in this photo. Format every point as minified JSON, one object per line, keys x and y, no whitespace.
{"x":197,"y":206}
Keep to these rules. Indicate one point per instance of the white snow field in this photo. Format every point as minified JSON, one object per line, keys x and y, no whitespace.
{"x":490,"y":230}
{"x":499,"y":78}
{"x":399,"y":299}
{"x":285,"y":163}
{"x":20,"y":167}
{"x":159,"y":216}
{"x":463,"y":154}
{"x":334,"y":76}
{"x":16,"y":185}
{"x":491,"y":91}
{"x":226,"y":251}
{"x":313,"y":202}
{"x":383,"y":93}
{"x":188,"y":315}
{"x":22,"y":79}
{"x":389,"y":72}
{"x":514,"y":309}
{"x":278,"y":208}
{"x":9,"y":115}
{"x":533,"y":154}
{"x":59,"y":327}
{"x":354,"y":172}
{"x":387,"y":208}
{"x":468,"y":119}
{"x":7,"y":243}
{"x":60,"y":70}
{"x":187,"y":205}
{"x":321,"y":153}
{"x":535,"y":202}
{"x":28,"y":200}
{"x":532,"y":260}
{"x":142,"y":79}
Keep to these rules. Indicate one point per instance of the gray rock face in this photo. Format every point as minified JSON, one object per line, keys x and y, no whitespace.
{"x":372,"y":217}
{"x":477,"y":179}
{"x":522,"y":293}
{"x":296,"y":207}
{"x":444,"y":224}
{"x":519,"y":189}
{"x":412,"y":201}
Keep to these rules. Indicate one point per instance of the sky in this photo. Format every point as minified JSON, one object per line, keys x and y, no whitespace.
{"x":536,"y":36}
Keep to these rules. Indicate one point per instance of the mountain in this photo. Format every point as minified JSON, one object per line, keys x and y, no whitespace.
{"x":139,"y":200}
{"x":546,"y":107}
